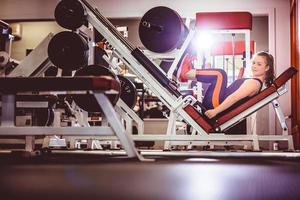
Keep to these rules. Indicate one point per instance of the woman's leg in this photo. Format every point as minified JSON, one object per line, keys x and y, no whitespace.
{"x":217,"y":78}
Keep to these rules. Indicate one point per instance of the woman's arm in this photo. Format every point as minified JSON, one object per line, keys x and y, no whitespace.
{"x":249,"y":88}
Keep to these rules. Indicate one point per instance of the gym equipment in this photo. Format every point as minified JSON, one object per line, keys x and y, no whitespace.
{"x":51,"y":71}
{"x":7,"y":64}
{"x":70,"y":14}
{"x":128,"y":91}
{"x":5,"y":35}
{"x":237,"y":112}
{"x":98,"y":86}
{"x":88,"y":102}
{"x":99,"y":53}
{"x":228,"y":23}
{"x":161,"y":29}
{"x":4,"y":27}
{"x":68,"y":51}
{"x":35,"y":63}
{"x":167,"y":92}
{"x":4,"y":58}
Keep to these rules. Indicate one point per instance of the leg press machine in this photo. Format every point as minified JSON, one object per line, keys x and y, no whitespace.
{"x":188,"y":107}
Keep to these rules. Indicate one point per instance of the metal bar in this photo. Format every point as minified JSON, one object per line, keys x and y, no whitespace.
{"x":210,"y":137}
{"x":36,"y":61}
{"x":112,"y":118}
{"x":181,"y":53}
{"x":280,"y":116}
{"x":233,"y":56}
{"x":188,"y":138}
{"x":133,"y":115}
{"x":66,"y":131}
{"x":108,"y":25}
{"x":29,"y":143}
{"x":8,"y":110}
{"x":125,"y":119}
{"x":31,"y":104}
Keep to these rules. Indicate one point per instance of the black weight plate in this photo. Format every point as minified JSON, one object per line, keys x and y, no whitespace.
{"x":68,"y":51}
{"x":128,"y":91}
{"x":70,"y":14}
{"x":51,"y":71}
{"x":166,"y":39}
{"x":88,"y":102}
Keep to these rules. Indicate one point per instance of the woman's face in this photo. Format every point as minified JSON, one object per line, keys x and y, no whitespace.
{"x":259,"y":66}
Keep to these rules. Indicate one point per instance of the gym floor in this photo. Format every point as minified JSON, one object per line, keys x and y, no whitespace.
{"x":94,"y":176}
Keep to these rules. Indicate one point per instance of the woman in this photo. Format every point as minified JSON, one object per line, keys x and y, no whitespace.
{"x":218,"y":96}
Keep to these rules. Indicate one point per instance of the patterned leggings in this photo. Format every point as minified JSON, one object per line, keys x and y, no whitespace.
{"x":215,"y":94}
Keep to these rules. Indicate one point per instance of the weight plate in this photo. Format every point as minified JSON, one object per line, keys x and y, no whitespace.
{"x":70,"y":14}
{"x":161,"y":29}
{"x":68,"y":51}
{"x":128,"y":91}
{"x":88,"y":102}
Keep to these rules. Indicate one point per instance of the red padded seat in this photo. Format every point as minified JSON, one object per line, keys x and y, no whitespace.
{"x":201,"y":121}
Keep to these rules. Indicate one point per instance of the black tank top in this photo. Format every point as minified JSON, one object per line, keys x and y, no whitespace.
{"x":237,"y":84}
{"x":233,"y":87}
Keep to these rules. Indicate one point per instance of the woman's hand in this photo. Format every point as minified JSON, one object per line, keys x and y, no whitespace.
{"x":211,"y":113}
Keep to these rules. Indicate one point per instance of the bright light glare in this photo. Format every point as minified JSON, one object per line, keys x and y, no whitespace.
{"x":203,"y":41}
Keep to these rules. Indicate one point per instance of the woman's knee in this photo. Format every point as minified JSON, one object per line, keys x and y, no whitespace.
{"x":191,"y":75}
{"x":222,"y":71}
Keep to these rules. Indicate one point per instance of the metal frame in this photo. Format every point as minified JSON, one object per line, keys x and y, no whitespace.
{"x":252,"y":137}
{"x":36,"y":63}
{"x":129,"y":115}
{"x":116,"y":128}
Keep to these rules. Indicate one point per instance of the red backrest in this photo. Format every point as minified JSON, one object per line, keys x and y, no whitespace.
{"x":223,"y":20}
